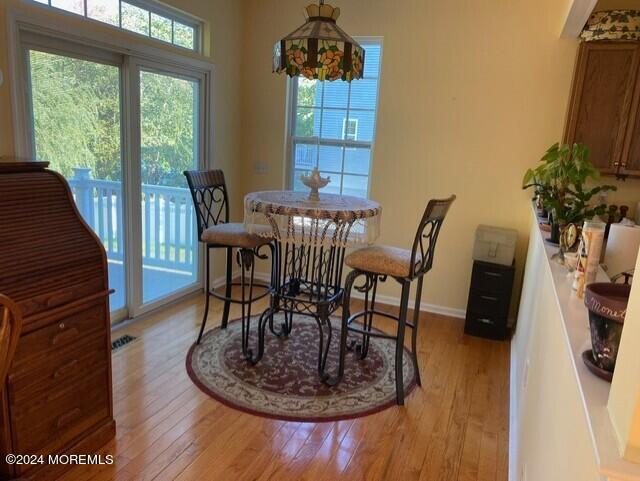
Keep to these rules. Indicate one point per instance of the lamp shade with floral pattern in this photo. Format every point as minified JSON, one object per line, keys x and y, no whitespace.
{"x":319,"y":49}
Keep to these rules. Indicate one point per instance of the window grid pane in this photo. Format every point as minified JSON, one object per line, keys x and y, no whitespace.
{"x":133,"y":18}
{"x":335,"y":121}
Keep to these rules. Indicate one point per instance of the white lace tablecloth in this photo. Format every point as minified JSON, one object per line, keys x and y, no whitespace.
{"x":334,"y":220}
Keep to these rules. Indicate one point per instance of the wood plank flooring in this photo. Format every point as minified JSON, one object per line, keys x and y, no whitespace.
{"x":454,"y":428}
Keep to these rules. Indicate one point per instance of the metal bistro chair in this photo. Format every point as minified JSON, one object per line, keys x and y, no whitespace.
{"x":377,"y":263}
{"x":211,"y":202}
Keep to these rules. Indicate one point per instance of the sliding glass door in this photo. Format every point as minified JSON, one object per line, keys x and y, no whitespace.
{"x":122,"y":131}
{"x":76,"y":113}
{"x":169,"y":123}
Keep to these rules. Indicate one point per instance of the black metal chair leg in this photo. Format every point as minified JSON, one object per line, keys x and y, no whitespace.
{"x":402,"y":319}
{"x":227,"y":289}
{"x":344,"y":330}
{"x":414,"y":333}
{"x":262,"y":325}
{"x":245,"y":328}
{"x":207,"y":296}
{"x":323,"y":353}
{"x":368,"y":318}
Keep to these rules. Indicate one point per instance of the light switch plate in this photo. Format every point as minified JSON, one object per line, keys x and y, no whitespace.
{"x":260,"y":167}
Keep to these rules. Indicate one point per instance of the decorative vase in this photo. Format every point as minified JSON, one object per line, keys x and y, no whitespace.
{"x":607,"y":305}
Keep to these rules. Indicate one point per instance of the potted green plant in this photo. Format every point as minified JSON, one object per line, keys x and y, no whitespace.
{"x":561,"y":182}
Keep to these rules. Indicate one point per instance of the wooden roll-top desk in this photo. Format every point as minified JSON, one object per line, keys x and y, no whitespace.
{"x":57,"y":397}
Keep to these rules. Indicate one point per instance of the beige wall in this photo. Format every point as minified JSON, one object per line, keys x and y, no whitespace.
{"x":471,"y":94}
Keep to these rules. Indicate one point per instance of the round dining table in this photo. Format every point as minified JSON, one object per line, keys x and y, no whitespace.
{"x":310,"y":241}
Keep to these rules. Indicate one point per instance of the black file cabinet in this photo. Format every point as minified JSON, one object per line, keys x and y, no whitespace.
{"x":489,"y":300}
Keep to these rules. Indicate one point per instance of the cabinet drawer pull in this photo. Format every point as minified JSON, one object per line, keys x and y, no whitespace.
{"x":65,"y":369}
{"x":490,"y":298}
{"x":61,"y":336}
{"x":484,"y":320}
{"x":67,"y":418}
{"x":59,"y":298}
{"x":493,"y":274}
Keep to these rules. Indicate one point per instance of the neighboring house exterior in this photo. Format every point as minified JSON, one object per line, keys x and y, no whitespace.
{"x":345,"y":120}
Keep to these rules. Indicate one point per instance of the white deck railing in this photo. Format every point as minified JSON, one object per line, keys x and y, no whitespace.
{"x":169,"y":237}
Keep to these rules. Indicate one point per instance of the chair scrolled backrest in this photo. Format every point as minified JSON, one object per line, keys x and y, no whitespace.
{"x":10,"y":329}
{"x":210,"y":198}
{"x":424,"y":243}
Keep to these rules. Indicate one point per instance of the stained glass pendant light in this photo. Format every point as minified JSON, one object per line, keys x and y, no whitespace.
{"x":319,"y":49}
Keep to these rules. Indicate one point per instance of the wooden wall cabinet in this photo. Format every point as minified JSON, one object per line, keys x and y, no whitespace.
{"x":603,"y":112}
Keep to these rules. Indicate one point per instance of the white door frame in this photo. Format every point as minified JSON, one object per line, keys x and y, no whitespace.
{"x":86,"y":41}
{"x":137,"y":65}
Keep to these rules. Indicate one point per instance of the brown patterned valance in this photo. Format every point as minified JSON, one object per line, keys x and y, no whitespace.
{"x":612,"y":25}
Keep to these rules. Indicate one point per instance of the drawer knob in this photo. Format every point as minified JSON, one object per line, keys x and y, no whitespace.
{"x":68,"y":417}
{"x":65,"y":368}
{"x":61,"y":325}
{"x":61,"y":336}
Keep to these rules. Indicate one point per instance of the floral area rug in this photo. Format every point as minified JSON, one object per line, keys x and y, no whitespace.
{"x":285,"y":383}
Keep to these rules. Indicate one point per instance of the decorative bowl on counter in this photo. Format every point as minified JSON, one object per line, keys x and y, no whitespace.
{"x":607,"y":305}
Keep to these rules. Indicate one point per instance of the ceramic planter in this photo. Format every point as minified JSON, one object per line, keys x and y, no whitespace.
{"x":607,"y":305}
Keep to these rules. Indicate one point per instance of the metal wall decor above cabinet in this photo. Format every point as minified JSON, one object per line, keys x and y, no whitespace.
{"x":603,"y":112}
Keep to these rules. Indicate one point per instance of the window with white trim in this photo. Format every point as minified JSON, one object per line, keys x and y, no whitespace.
{"x":144,"y":17}
{"x":332,"y":126}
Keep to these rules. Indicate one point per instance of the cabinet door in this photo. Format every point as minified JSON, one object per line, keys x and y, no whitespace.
{"x":601,"y":99}
{"x":630,"y":160}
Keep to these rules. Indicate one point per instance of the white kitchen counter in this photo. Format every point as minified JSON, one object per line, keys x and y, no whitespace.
{"x":550,"y":308}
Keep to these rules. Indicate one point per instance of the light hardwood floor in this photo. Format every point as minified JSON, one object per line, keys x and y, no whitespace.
{"x":454,"y":428}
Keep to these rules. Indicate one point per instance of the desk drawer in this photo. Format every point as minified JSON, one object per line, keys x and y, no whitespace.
{"x":489,"y":326}
{"x":34,"y":347}
{"x":492,"y":278}
{"x":58,"y":368}
{"x":55,"y":418}
{"x":487,"y":302}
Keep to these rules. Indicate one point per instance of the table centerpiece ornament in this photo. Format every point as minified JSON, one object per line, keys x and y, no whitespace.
{"x":315,"y":182}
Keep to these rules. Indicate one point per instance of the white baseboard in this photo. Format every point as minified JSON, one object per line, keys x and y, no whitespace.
{"x":395,"y":301}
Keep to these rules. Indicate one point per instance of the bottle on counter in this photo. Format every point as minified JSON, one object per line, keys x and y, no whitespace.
{"x":589,"y":255}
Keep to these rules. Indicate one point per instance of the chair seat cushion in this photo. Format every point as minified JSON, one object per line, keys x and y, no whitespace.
{"x":385,"y":260}
{"x":234,"y":234}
